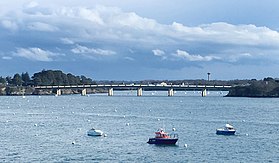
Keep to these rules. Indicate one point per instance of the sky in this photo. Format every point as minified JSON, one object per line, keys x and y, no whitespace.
{"x":141,"y":40}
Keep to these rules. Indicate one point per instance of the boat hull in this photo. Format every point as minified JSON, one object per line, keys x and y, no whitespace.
{"x":168,"y":141}
{"x":222,"y":132}
{"x":95,"y":133}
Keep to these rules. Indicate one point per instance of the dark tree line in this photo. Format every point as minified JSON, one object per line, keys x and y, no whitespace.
{"x":45,"y":77}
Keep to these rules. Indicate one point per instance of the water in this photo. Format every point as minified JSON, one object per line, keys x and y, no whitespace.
{"x":53,"y":129}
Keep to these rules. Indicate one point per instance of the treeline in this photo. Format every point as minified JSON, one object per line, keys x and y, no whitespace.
{"x":185,"y":82}
{"x":45,"y":77}
{"x":268,"y":87}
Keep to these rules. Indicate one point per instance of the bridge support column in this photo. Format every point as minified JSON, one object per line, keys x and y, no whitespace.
{"x":58,"y":92}
{"x":83,"y":92}
{"x":139,"y":92}
{"x":110,"y":92}
{"x":170,"y":92}
{"x":204,"y":93}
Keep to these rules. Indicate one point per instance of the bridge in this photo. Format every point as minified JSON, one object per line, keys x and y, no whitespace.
{"x":139,"y":87}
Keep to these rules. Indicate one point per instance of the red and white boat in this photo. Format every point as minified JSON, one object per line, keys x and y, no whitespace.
{"x":162,"y":137}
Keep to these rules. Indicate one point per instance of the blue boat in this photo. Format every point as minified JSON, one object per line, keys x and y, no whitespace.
{"x":227,"y":130}
{"x":162,"y":137}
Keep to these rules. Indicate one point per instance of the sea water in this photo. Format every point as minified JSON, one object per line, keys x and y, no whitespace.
{"x":53,"y":129}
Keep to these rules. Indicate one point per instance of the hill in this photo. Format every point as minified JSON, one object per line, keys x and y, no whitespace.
{"x":268,"y":87}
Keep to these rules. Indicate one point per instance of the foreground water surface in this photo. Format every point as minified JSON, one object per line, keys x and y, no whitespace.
{"x":53,"y":129}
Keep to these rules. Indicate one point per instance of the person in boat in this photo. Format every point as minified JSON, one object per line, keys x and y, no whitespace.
{"x":174,"y":134}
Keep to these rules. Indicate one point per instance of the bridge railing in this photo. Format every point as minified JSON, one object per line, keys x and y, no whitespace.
{"x":133,"y":86}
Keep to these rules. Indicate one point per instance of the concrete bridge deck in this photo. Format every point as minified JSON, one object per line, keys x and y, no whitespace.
{"x":140,"y":88}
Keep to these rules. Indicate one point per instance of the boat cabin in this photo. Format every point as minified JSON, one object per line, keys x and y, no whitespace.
{"x":229,"y":127}
{"x":161,"y":134}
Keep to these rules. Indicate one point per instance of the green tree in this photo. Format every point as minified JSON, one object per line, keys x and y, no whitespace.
{"x":2,"y":80}
{"x":37,"y":81}
{"x":85,"y":80}
{"x":26,"y":79}
{"x":17,"y":80}
{"x":9,"y":79}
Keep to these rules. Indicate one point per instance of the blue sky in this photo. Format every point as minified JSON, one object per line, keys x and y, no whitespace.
{"x":139,"y":40}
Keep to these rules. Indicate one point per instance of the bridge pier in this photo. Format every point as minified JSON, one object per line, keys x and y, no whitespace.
{"x":139,"y":92}
{"x":83,"y":92}
{"x":170,"y":92}
{"x":58,"y":92}
{"x":110,"y":92}
{"x":204,"y":93}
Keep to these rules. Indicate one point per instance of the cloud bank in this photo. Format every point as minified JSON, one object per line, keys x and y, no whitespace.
{"x":45,"y":32}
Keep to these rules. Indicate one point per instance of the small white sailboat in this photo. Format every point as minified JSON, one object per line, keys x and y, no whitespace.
{"x":94,"y":132}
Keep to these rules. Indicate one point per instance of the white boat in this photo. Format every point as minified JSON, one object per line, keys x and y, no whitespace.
{"x":227,"y":130}
{"x":94,"y":132}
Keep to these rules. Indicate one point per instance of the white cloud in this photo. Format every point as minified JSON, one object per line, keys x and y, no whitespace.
{"x":39,"y":26}
{"x":92,"y":51}
{"x":158,"y":52}
{"x":100,"y":25}
{"x":67,"y":41}
{"x":101,"y":22}
{"x":32,"y":4}
{"x":91,"y":15}
{"x":224,"y":33}
{"x":36,"y":54}
{"x":7,"y":58}
{"x":10,"y":25}
{"x":129,"y":58}
{"x":237,"y":57}
{"x":185,"y":55}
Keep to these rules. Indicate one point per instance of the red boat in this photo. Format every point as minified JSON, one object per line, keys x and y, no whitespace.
{"x":162,"y":137}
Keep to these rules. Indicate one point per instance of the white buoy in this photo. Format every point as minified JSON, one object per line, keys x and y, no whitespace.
{"x":105,"y":135}
{"x":35,"y":124}
{"x":98,"y":114}
{"x":88,"y":120}
{"x":124,"y":116}
{"x":127,"y":124}
{"x":186,"y":145}
{"x":247,"y":134}
{"x":115,"y":110}
{"x":73,"y":112}
{"x":243,"y":120}
{"x":158,"y":119}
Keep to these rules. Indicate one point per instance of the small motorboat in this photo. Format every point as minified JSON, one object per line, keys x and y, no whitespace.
{"x":227,"y":130}
{"x":94,"y":132}
{"x":162,"y":137}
